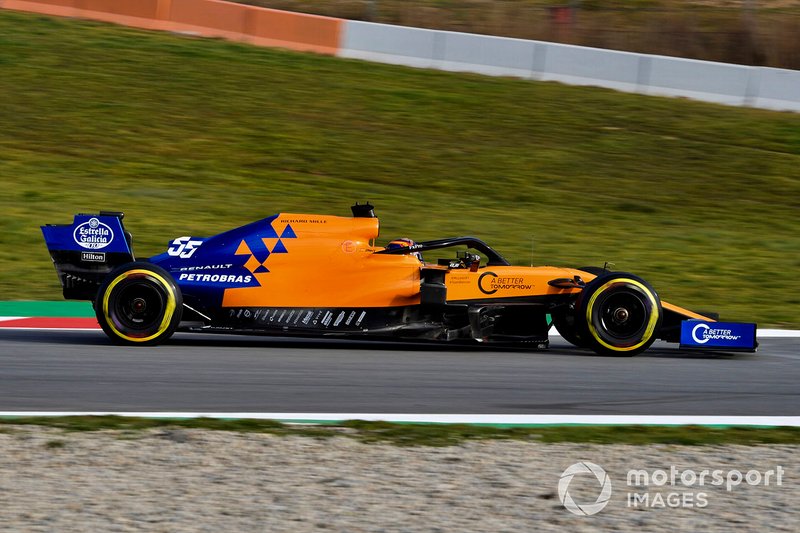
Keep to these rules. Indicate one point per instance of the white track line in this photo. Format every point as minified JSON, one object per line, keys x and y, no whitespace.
{"x":775,"y":333}
{"x":496,"y":419}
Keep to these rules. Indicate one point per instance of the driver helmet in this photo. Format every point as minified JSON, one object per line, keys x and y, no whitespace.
{"x":403,"y":243}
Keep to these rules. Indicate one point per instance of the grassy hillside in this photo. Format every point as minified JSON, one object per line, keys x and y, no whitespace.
{"x":195,"y":136}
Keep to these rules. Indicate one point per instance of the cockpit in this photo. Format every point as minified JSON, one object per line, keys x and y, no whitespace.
{"x":469,"y":258}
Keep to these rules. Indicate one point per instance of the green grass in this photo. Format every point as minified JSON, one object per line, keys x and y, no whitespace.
{"x":432,"y":434}
{"x":193,"y":137}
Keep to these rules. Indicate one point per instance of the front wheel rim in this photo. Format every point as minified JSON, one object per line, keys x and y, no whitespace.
{"x":637,"y":329}
{"x":623,"y":315}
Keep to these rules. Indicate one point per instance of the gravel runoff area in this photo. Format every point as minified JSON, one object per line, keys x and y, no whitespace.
{"x":198,"y":480}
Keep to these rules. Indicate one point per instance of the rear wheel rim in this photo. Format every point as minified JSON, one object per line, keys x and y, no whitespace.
{"x":138,"y":306}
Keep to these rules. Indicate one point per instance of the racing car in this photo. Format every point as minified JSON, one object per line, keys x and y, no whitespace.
{"x":325,"y":275}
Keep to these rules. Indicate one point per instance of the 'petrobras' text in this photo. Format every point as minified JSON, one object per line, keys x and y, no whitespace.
{"x":215,"y":278}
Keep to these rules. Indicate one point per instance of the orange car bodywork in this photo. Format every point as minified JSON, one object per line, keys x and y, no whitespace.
{"x":332,"y":263}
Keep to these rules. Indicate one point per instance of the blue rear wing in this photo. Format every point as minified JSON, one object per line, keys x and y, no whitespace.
{"x":85,"y":251}
{"x":98,"y":233}
{"x":723,"y":336}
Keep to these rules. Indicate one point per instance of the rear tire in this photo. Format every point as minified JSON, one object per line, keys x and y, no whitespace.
{"x":139,"y":304}
{"x":618,"y":314}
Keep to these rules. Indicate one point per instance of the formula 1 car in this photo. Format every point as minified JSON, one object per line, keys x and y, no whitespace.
{"x":321,"y":275}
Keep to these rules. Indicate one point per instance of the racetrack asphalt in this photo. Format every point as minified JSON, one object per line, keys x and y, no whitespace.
{"x":82,"y":370}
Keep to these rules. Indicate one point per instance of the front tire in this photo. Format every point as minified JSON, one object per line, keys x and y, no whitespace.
{"x":618,"y":314}
{"x":139,"y":304}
